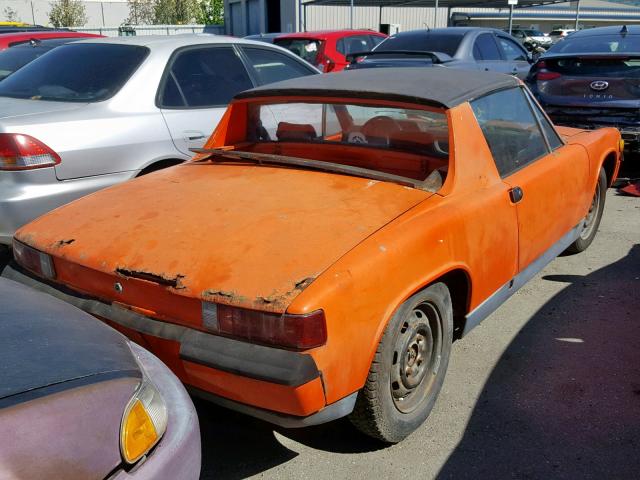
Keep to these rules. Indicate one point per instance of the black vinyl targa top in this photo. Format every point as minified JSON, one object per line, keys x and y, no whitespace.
{"x":435,"y":86}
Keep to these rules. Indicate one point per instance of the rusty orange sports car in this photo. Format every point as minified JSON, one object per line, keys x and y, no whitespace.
{"x":320,"y":255}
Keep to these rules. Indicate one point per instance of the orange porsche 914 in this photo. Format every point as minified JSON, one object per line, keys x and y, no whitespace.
{"x":336,"y":234}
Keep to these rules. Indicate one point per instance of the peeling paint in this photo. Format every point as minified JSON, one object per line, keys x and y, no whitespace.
{"x":62,"y":243}
{"x":174,"y":281}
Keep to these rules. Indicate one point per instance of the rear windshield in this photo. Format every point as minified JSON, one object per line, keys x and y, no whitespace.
{"x":429,"y":42}
{"x":598,"y":44}
{"x":13,"y":58}
{"x":423,"y":133}
{"x":85,"y":72}
{"x":305,"y":48}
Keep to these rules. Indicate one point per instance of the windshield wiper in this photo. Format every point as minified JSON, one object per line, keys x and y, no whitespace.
{"x":271,"y":159}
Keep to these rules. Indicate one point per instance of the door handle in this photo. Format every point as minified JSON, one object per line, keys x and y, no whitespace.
{"x":516,"y":194}
{"x":192,"y":135}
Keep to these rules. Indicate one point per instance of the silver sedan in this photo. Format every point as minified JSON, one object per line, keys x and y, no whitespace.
{"x":94,"y":113}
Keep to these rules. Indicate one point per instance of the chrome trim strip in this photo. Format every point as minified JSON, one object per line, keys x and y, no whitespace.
{"x":501,"y":295}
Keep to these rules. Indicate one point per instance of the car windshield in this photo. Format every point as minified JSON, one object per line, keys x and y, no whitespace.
{"x":424,"y":41}
{"x":598,"y":44}
{"x":534,"y":33}
{"x":305,"y":48}
{"x":83,"y":72}
{"x":354,"y":134}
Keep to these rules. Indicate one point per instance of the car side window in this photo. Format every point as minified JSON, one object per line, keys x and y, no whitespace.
{"x":511,"y":50}
{"x":549,"y":131}
{"x":271,"y":66}
{"x":204,"y":77}
{"x":510,"y":129}
{"x":356,"y":44}
{"x":375,"y":40}
{"x":486,"y":48}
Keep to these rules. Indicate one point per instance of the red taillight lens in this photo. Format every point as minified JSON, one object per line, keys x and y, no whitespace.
{"x":544,"y":74}
{"x":38,"y":262}
{"x":299,"y":332}
{"x":23,"y":152}
{"x":547,"y":75}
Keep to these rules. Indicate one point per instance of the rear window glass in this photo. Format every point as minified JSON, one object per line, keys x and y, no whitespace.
{"x":305,"y":48}
{"x":75,"y":73}
{"x":598,"y":44}
{"x":431,"y":42}
{"x":12,"y":59}
{"x":424,"y":133}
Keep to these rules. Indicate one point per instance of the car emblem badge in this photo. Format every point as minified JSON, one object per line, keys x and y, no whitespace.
{"x":599,"y":85}
{"x":118,"y":287}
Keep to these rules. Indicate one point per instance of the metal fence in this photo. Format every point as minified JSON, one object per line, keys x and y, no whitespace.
{"x":152,"y":30}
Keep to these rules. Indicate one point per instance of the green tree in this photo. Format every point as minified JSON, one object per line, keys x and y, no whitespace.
{"x":175,"y":12}
{"x":67,"y":13}
{"x":141,"y":12}
{"x":210,"y":12}
{"x":10,"y":14}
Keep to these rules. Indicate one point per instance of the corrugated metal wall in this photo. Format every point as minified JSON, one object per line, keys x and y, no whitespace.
{"x":323,"y":17}
{"x":410,"y":18}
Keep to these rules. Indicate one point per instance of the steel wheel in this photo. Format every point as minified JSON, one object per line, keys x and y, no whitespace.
{"x":590,"y":219}
{"x":416,"y":356}
{"x":408,"y":368}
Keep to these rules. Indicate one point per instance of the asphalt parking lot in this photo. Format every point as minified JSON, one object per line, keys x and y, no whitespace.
{"x":547,"y":387}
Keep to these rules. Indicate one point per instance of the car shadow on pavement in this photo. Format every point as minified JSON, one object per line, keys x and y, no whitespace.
{"x":237,"y":446}
{"x":564,"y":399}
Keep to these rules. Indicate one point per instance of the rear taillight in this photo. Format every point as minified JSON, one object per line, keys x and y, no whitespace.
{"x":544,"y":74}
{"x":23,"y":152}
{"x":298,"y":332}
{"x":34,"y":260}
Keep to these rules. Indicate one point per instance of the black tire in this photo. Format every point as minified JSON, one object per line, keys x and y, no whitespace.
{"x":592,"y":221}
{"x":393,"y":404}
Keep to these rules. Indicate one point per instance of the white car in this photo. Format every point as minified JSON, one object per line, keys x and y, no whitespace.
{"x":530,"y":35}
{"x":560,"y":34}
{"x":94,"y":113}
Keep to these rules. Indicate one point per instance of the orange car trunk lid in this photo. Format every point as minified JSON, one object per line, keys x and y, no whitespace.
{"x":248,"y":235}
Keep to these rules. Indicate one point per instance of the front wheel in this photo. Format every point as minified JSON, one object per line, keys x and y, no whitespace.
{"x":591,"y":222}
{"x":408,"y":369}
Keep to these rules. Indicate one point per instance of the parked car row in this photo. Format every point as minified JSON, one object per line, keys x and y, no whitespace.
{"x":318,"y":209}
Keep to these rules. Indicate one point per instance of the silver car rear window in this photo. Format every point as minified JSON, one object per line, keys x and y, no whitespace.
{"x":83,"y":72}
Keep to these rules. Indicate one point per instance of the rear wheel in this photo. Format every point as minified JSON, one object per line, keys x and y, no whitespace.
{"x":408,"y":368}
{"x":591,"y":222}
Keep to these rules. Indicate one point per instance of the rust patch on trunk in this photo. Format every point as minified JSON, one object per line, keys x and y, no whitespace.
{"x":228,"y":297}
{"x":162,"y":279}
{"x":62,"y":243}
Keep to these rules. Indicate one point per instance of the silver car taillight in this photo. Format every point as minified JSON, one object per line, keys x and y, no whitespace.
{"x":23,"y":152}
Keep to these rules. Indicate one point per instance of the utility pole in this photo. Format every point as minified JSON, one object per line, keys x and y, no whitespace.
{"x":435,"y":15}
{"x":577,"y":14}
{"x":351,"y":16}
{"x":511,"y":3}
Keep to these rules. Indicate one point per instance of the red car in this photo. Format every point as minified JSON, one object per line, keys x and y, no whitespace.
{"x":328,"y":49}
{"x":12,"y":39}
